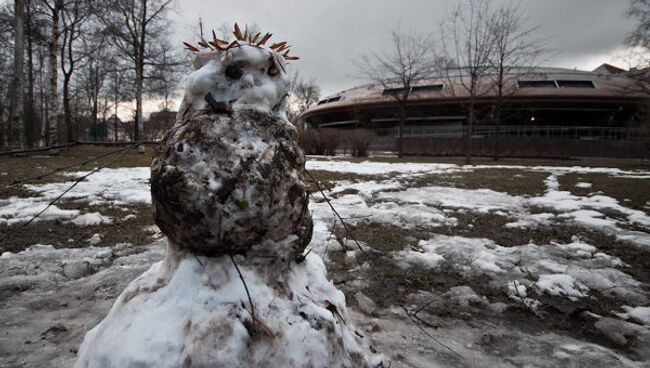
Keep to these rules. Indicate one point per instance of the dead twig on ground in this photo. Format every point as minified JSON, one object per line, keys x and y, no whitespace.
{"x":408,"y":314}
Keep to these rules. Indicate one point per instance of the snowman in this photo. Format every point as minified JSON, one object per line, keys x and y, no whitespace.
{"x":236,"y":287}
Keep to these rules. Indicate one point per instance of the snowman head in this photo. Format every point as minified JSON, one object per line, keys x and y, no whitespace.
{"x":244,"y":73}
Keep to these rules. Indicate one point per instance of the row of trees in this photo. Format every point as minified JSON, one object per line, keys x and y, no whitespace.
{"x":479,"y":43}
{"x":66,"y":62}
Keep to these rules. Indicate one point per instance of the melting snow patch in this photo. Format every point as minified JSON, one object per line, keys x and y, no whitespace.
{"x":374,"y":168}
{"x":481,"y":200}
{"x":118,"y":186}
{"x":426,"y":258}
{"x":566,"y":269}
{"x":91,"y":219}
{"x":378,"y":168}
{"x":17,"y":210}
{"x":582,"y":184}
{"x":533,"y":220}
{"x":95,"y":239}
{"x":636,"y":314}
{"x":561,"y":285}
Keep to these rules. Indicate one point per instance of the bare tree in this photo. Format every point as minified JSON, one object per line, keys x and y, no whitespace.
{"x":303,"y":94}
{"x":94,"y":74}
{"x":514,"y":52}
{"x":73,"y":17}
{"x":469,"y":30}
{"x":138,"y":28}
{"x":639,"y":10}
{"x":163,"y":80}
{"x":119,"y":90}
{"x":17,"y":122}
{"x":639,"y":42}
{"x":409,"y":59}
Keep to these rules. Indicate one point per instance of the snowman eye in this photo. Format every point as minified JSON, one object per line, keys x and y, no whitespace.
{"x":273,"y":70}
{"x":234,"y":71}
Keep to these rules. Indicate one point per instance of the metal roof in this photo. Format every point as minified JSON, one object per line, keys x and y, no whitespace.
{"x":604,"y":86}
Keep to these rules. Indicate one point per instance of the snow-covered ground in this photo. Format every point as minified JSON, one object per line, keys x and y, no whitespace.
{"x":500,"y":311}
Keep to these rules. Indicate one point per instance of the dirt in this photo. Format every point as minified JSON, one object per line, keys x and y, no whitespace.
{"x":326,"y":179}
{"x":390,"y":286}
{"x":383,"y":237}
{"x":386,"y":283}
{"x":629,"y":192}
{"x":19,"y":168}
{"x":513,"y":182}
{"x":27,"y":169}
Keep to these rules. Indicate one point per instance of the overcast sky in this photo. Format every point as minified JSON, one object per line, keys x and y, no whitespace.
{"x":329,"y":35}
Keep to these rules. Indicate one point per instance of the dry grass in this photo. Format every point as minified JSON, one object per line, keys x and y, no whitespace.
{"x":66,"y":235}
{"x":18,"y":168}
{"x":61,"y":234}
{"x":629,"y":192}
{"x":513,"y":182}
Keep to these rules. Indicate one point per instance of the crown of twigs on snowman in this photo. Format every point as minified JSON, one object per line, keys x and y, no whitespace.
{"x":242,"y":39}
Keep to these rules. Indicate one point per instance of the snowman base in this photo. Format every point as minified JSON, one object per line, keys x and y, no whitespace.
{"x":189,"y":310}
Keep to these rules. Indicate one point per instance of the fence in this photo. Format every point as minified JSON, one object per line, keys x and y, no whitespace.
{"x":490,"y":131}
{"x":523,"y":141}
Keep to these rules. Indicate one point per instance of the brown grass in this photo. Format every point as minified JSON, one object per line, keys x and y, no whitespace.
{"x":634,"y":193}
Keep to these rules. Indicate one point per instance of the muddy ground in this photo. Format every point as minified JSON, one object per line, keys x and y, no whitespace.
{"x":390,"y":287}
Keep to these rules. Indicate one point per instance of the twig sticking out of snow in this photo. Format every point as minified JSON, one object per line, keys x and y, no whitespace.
{"x":345,"y":226}
{"x":301,"y":258}
{"x":248,"y":294}
{"x":77,"y":181}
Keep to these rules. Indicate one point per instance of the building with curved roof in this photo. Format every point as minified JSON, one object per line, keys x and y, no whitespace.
{"x":537,"y":103}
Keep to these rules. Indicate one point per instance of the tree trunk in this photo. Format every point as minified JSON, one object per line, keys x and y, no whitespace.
{"x":138,"y":102}
{"x":42,"y":109}
{"x":95,"y":121}
{"x":115,"y":116}
{"x":497,"y":137}
{"x":400,"y":130}
{"x":139,"y":72}
{"x":17,"y":119}
{"x":498,"y":110}
{"x":67,"y":111}
{"x":3,"y":126}
{"x":30,"y":110}
{"x":95,"y":103}
{"x":470,"y":131}
{"x":53,"y":105}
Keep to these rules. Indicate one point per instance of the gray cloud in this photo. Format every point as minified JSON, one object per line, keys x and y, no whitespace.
{"x":330,"y":35}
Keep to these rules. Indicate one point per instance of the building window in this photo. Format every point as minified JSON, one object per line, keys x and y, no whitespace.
{"x":428,"y":88}
{"x":575,"y":84}
{"x":393,"y":91}
{"x":414,"y":89}
{"x":536,"y":84}
{"x":328,"y":100}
